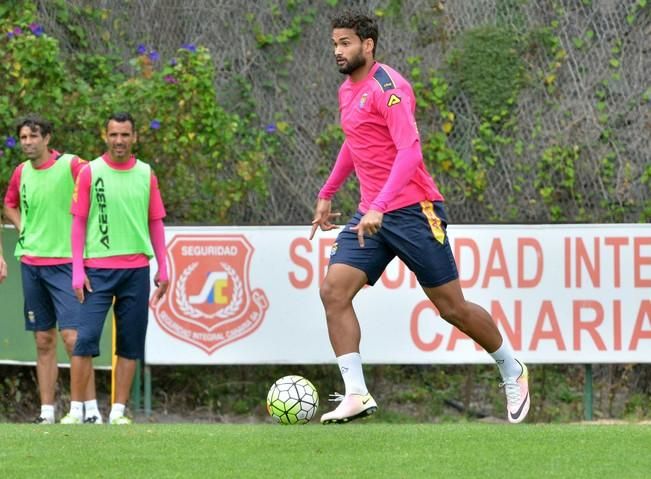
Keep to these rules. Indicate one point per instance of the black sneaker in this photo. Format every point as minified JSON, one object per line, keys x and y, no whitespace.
{"x":42,"y":420}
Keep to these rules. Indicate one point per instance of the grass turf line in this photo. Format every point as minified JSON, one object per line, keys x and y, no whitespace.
{"x":362,"y":450}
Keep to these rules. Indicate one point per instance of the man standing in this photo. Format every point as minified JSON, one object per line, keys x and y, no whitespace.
{"x":37,"y":203}
{"x":117,"y":227}
{"x":400,"y":214}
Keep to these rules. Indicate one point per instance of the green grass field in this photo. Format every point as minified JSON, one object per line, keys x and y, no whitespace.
{"x":363,"y":450}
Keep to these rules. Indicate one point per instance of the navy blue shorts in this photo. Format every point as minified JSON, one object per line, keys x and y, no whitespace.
{"x":416,"y":234}
{"x":49,"y":298}
{"x":130,"y":287}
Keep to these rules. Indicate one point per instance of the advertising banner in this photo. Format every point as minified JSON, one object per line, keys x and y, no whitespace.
{"x":558,"y":293}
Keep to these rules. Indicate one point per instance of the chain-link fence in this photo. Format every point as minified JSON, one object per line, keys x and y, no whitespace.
{"x":594,"y":99}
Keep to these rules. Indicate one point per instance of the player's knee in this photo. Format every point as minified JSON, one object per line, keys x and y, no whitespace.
{"x":45,"y":341}
{"x":69,"y":338}
{"x":331,"y":297}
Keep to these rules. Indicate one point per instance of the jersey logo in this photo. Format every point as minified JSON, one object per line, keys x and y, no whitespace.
{"x":393,"y":100}
{"x":362,"y":100}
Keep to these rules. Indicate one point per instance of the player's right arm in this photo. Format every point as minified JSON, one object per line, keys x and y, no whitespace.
{"x":343,"y":167}
{"x":79,"y":209}
{"x":11,"y":208}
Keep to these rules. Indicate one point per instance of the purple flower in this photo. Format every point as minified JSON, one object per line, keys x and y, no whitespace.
{"x":18,"y":31}
{"x":141,"y":49}
{"x":154,"y":56}
{"x":191,"y":47}
{"x":270,"y":128}
{"x":154,"y":124}
{"x":170,"y":79}
{"x":10,"y":142}
{"x":173,"y":62}
{"x":36,"y":29}
{"x":10,"y":35}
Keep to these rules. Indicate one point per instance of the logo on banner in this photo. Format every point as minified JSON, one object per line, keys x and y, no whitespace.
{"x":210,"y":302}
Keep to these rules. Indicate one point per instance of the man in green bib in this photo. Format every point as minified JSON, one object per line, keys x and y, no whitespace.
{"x":37,"y":203}
{"x":117,"y":228}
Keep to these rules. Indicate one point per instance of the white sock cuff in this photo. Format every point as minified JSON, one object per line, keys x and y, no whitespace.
{"x":117,"y":408}
{"x":47,"y":409}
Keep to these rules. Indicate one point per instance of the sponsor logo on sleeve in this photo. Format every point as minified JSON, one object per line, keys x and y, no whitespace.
{"x":393,"y":100}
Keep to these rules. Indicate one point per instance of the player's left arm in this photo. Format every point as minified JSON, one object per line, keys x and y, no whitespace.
{"x":157,"y":236}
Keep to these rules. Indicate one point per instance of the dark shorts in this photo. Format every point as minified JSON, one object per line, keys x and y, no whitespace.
{"x":49,"y":298}
{"x":416,"y":234}
{"x":130,"y":287}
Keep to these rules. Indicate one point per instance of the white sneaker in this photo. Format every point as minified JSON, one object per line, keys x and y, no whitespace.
{"x":70,"y":419}
{"x":120,"y":420}
{"x":517,"y":395}
{"x":352,"y":406}
{"x":94,"y":419}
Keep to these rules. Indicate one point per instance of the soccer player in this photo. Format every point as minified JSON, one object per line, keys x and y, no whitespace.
{"x":37,"y":203}
{"x":117,"y":227}
{"x":400,"y":214}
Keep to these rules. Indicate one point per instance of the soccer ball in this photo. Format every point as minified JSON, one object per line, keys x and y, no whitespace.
{"x":292,"y":400}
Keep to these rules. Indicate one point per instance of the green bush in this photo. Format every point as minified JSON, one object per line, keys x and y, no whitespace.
{"x":206,"y":158}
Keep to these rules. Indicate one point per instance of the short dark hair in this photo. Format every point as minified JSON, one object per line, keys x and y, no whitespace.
{"x":363,"y":25}
{"x":35,"y":123}
{"x":121,"y":117}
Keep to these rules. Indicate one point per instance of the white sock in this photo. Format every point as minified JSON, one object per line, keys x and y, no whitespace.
{"x":509,"y":367}
{"x":90,"y":409}
{"x":77,"y":409}
{"x":47,"y":412}
{"x":350,"y":366}
{"x":117,"y":410}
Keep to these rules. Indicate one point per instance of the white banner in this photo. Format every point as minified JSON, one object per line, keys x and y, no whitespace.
{"x":559,"y":294}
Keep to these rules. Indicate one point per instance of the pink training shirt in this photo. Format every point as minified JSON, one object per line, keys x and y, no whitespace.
{"x":12,"y":200}
{"x":377,"y":117}
{"x":81,"y":207}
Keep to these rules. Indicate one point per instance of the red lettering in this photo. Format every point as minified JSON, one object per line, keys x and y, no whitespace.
{"x":413,"y":327}
{"x":460,"y":243}
{"x":535,"y":280}
{"x":498,"y":270}
{"x":583,"y":258}
{"x":639,"y":261}
{"x":395,"y":283}
{"x":301,"y":262}
{"x":513,"y":334}
{"x":554,"y":333}
{"x":617,"y":325}
{"x":568,"y":262}
{"x":638,"y":332}
{"x":589,"y":326}
{"x":616,"y":243}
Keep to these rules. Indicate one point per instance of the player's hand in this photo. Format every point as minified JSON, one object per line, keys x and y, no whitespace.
{"x":3,"y":269}
{"x":161,"y":288}
{"x":370,"y":224}
{"x":322,"y":217}
{"x":79,"y":292}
